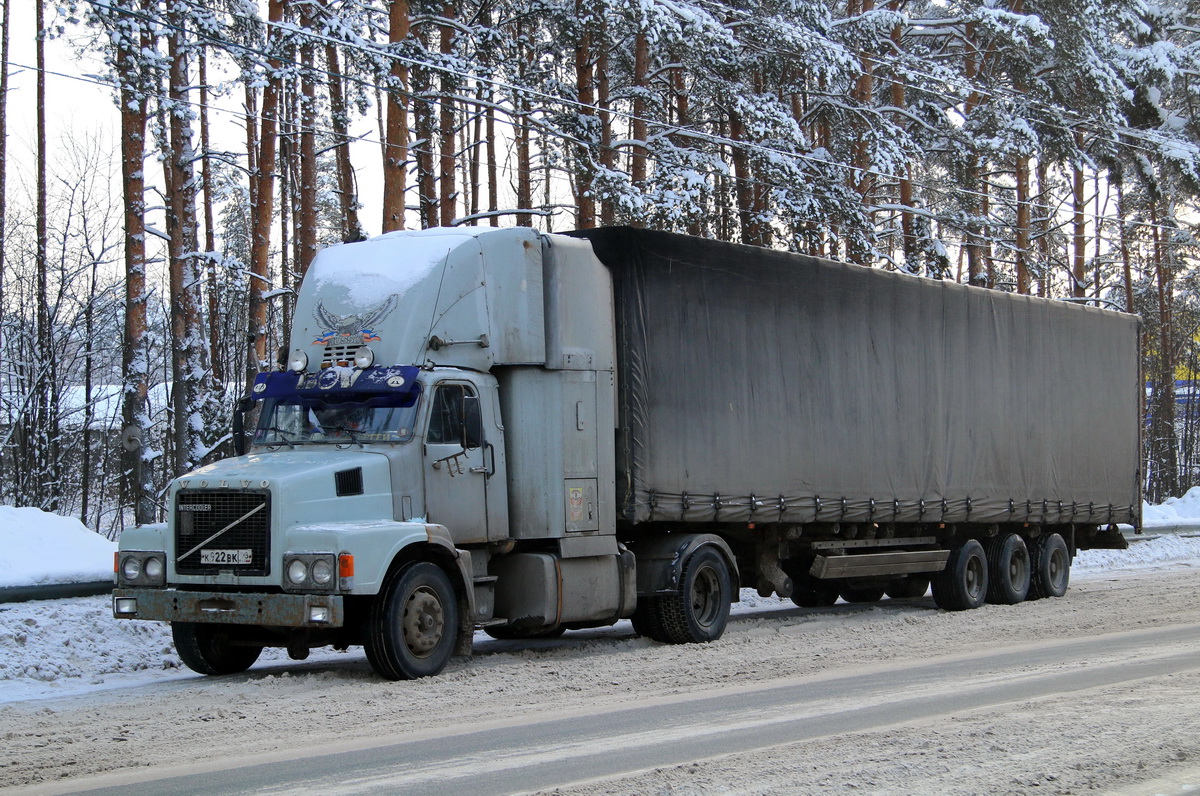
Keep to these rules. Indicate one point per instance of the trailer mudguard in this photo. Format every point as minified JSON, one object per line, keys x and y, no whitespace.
{"x":660,"y":561}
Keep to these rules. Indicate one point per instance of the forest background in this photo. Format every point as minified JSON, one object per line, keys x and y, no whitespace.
{"x":1046,"y":147}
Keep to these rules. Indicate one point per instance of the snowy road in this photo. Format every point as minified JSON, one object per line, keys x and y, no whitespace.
{"x":1096,"y":691}
{"x":549,"y":749}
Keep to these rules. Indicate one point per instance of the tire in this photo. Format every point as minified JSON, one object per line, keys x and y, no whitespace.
{"x":1050,"y":567}
{"x":209,"y":649}
{"x":810,"y":592}
{"x":413,"y":623}
{"x":963,"y":584}
{"x":645,"y":619}
{"x":862,"y":594}
{"x":700,"y":611}
{"x":1008,"y":569}
{"x":504,"y":633}
{"x":911,"y":588}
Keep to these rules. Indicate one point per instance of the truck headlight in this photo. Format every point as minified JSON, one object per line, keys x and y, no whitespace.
{"x":298,"y":361}
{"x":131,"y":568}
{"x":309,"y":571}
{"x":141,"y":568}
{"x":297,"y":572}
{"x":322,"y":571}
{"x":364,"y":357}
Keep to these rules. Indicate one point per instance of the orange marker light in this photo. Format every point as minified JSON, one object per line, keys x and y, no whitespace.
{"x":116,"y":555}
{"x":346,"y":565}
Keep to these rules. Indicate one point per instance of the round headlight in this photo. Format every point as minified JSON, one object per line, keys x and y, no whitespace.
{"x":297,"y":571}
{"x":364,"y":357}
{"x":322,"y":571}
{"x":131,"y":568}
{"x":298,"y":361}
{"x":154,"y":568}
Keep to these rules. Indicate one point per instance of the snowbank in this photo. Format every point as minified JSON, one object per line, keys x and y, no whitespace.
{"x":1173,"y":511}
{"x":37,"y":548}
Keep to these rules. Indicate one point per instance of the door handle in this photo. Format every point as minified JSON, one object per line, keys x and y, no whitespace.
{"x":487,"y":470}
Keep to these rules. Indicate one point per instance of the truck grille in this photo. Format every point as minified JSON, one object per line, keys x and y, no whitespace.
{"x":201,"y":513}
{"x":340,"y":352}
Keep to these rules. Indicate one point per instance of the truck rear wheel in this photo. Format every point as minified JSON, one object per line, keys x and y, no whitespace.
{"x":963,"y":584}
{"x":701,"y":609}
{"x":209,"y":649}
{"x":1050,"y":567}
{"x":413,"y":623}
{"x":862,"y":594}
{"x":909,"y":588}
{"x":809,"y":592}
{"x":1008,"y":569}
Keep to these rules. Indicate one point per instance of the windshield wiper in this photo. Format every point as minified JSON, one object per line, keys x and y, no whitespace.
{"x":281,"y":432}
{"x":349,"y":432}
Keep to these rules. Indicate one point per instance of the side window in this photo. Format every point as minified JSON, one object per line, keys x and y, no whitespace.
{"x":455,"y":406}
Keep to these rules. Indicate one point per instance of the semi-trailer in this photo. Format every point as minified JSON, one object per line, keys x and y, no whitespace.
{"x":527,"y":433}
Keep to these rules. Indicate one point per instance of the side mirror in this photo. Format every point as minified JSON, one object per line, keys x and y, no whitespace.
{"x":240,"y":409}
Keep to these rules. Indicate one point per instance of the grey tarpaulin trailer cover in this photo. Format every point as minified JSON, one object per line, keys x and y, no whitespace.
{"x":757,"y":385}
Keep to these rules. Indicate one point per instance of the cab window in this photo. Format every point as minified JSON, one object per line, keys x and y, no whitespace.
{"x":455,"y":407}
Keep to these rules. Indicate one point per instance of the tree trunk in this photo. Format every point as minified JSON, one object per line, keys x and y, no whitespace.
{"x":585,"y":192}
{"x":187,"y":360}
{"x":46,"y":445}
{"x":263,"y":193}
{"x":340,"y":121}
{"x":395,"y":161}
{"x":639,"y":126}
{"x":306,"y":227}
{"x":1078,"y":200}
{"x":447,"y":194}
{"x":1022,"y":231}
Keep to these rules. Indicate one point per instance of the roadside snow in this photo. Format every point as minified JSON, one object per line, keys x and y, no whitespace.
{"x":66,"y":647}
{"x":39,"y":548}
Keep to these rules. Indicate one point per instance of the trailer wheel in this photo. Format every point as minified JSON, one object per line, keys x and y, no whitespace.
{"x":862,"y":594}
{"x":809,"y":592}
{"x":1050,"y":567}
{"x":962,"y":585}
{"x":208,"y":649}
{"x":701,"y":609}
{"x":413,"y":623}
{"x":645,"y":619}
{"x":910,"y":588}
{"x":1008,"y":569}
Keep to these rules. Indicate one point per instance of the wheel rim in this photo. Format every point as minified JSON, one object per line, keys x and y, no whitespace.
{"x":1018,"y":569}
{"x":423,"y":622}
{"x":706,"y":601}
{"x":1057,"y":567}
{"x":973,"y":577}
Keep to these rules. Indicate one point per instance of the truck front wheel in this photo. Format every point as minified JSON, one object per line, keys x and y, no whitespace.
{"x":413,"y":623}
{"x":701,"y":609}
{"x":963,"y":583}
{"x":209,"y":649}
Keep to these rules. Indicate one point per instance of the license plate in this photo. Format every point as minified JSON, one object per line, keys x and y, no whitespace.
{"x":225,"y":556}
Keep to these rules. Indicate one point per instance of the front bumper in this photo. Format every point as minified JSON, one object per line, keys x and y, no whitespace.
{"x":271,"y":610}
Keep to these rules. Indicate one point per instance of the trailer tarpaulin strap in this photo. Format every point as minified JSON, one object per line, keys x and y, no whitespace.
{"x":757,"y":384}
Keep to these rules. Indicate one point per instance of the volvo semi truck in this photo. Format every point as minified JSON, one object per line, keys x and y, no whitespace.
{"x":526,"y":433}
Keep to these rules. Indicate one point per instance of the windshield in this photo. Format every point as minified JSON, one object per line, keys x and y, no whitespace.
{"x":294,"y":420}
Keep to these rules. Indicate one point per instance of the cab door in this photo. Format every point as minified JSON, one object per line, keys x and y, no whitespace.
{"x":458,"y":462}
